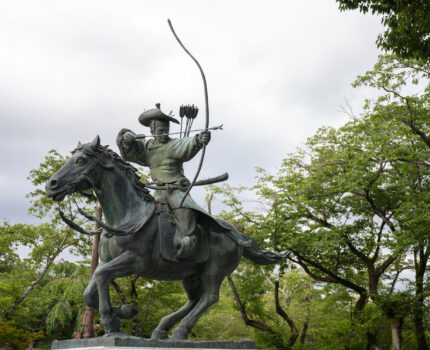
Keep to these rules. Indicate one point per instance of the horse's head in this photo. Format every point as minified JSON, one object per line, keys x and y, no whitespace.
{"x":80,"y":172}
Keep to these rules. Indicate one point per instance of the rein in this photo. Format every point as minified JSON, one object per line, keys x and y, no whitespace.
{"x":69,"y":222}
{"x":111,"y":230}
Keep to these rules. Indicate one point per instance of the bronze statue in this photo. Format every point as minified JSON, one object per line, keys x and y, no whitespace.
{"x":164,"y":157}
{"x":137,"y":238}
{"x":167,"y":238}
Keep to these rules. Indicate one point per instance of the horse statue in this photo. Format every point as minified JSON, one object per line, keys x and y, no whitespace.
{"x":130,"y":241}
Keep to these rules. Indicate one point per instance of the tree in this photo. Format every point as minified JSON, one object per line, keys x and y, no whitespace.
{"x":407,"y":22}
{"x":353,"y":204}
{"x":408,"y":114}
{"x":16,"y":338}
{"x":47,"y":240}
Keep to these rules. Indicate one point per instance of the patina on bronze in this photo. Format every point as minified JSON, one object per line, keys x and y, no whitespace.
{"x":138,"y":237}
{"x":128,"y":207}
{"x":165,"y":157}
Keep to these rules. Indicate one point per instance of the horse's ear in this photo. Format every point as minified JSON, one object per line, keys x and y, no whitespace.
{"x":79,"y":145}
{"x":96,"y":142}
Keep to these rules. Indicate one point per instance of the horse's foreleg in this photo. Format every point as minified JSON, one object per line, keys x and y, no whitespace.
{"x":91,"y":295}
{"x":210,"y":295}
{"x":123,"y":265}
{"x":193,"y":288}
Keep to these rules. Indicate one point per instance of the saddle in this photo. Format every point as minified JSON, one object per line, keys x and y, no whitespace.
{"x":167,"y":232}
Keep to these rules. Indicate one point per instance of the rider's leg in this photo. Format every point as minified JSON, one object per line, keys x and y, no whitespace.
{"x":123,"y":265}
{"x":193,"y":288}
{"x":186,"y":222}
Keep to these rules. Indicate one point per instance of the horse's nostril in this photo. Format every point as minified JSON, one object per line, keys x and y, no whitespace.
{"x":53,"y":183}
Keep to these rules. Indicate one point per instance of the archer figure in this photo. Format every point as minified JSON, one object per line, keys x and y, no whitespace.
{"x":165,"y":157}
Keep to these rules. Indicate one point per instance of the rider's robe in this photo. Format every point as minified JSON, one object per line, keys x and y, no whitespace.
{"x":165,"y":162}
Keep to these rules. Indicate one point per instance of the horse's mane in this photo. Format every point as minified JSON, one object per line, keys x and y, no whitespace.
{"x":129,"y":170}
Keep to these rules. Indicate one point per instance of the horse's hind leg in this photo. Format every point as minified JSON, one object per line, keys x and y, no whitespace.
{"x":193,"y":288}
{"x":211,"y":283}
{"x":123,"y":265}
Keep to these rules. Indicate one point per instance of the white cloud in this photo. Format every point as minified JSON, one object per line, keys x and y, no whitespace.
{"x":276,"y":72}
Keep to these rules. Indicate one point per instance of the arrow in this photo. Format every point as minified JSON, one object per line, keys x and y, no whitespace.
{"x":140,"y":137}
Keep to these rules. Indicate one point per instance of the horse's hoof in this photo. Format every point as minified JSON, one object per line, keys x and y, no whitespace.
{"x":113,"y":334}
{"x":179,"y":334}
{"x":159,"y":334}
{"x":112,"y":325}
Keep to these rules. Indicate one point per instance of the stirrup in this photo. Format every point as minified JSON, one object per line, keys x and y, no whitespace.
{"x":186,"y":247}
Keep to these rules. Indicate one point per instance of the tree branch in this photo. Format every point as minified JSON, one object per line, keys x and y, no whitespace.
{"x":245,"y":215}
{"x":253,"y":323}
{"x":360,"y":255}
{"x":314,"y":275}
{"x":308,"y":300}
{"x":317,"y":219}
{"x":378,"y":243}
{"x":375,"y":210}
{"x":49,"y":262}
{"x":284,"y":315}
{"x":338,"y":279}
{"x":420,"y":133}
{"x":381,"y":269}
{"x":413,"y":161}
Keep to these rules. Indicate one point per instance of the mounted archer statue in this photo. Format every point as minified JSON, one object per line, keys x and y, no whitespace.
{"x":165,"y":157}
{"x":137,"y":236}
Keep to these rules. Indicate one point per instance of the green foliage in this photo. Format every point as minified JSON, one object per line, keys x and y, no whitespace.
{"x":8,"y":255}
{"x":352,"y":206}
{"x":44,"y":207}
{"x":353,"y":203}
{"x":67,"y":285}
{"x":407,"y":24}
{"x":59,"y":317}
{"x":57,"y":291}
{"x":15,"y":338}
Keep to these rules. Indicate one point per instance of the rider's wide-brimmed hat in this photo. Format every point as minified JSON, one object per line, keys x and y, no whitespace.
{"x":155,"y":114}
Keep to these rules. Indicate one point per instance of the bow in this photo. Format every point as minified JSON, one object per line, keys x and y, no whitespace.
{"x":206,"y":110}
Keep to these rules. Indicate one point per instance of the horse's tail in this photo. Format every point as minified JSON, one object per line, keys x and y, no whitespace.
{"x":251,"y":250}
{"x":263,"y":257}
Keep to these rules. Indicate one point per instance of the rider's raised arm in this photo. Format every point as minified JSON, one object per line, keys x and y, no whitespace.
{"x":131,"y":149}
{"x":185,"y":148}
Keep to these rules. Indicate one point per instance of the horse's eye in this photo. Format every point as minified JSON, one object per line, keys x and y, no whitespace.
{"x":81,"y":161}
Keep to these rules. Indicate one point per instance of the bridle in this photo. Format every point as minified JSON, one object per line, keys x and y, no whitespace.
{"x":70,"y":190}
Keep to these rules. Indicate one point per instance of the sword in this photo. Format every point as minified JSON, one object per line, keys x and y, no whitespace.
{"x":209,"y":181}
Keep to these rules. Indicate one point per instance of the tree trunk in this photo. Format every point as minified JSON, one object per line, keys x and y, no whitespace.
{"x":284,"y":315}
{"x":308,"y":300}
{"x":372,"y":341}
{"x":253,"y":323}
{"x":396,"y":333}
{"x":88,"y":316}
{"x":418,"y":313}
{"x":145,"y":316}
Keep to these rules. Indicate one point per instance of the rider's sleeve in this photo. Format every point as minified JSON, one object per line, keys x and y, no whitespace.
{"x":184,"y":149}
{"x":133,"y":152}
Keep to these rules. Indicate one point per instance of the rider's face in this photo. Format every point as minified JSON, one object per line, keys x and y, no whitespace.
{"x":160,"y":132}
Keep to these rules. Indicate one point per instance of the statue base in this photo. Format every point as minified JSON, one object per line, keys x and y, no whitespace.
{"x":112,"y":341}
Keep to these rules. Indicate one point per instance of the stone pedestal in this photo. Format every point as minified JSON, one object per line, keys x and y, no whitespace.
{"x":125,"y":342}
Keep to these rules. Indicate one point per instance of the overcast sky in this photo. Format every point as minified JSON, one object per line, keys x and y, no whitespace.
{"x":276,"y":71}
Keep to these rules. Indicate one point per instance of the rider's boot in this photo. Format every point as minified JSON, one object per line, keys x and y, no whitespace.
{"x":185,"y":240}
